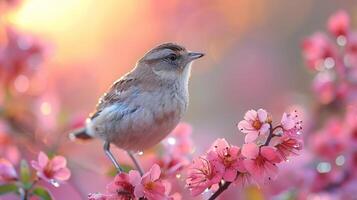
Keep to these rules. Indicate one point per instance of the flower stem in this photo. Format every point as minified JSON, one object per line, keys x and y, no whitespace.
{"x":221,"y":189}
{"x":270,"y":136}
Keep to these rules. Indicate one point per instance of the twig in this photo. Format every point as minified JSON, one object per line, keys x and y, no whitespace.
{"x":221,"y":189}
{"x":271,"y":134}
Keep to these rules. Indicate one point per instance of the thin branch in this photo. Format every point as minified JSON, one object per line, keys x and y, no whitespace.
{"x":271,"y":135}
{"x":220,"y":190}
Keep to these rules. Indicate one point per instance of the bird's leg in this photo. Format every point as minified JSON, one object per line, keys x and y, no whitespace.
{"x":111,"y":157}
{"x":136,"y":162}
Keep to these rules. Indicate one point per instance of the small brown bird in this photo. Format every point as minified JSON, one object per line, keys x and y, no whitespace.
{"x":145,"y":105}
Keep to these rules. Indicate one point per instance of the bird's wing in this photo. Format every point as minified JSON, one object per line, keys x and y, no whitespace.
{"x":116,"y":93}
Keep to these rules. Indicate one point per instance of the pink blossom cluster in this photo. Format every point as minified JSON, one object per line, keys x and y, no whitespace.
{"x":20,"y":56}
{"x":265,"y":147}
{"x":127,"y":186}
{"x":178,"y":147}
{"x":335,"y":150}
{"x":165,"y":173}
{"x":334,"y":58}
{"x":328,"y":169}
{"x":53,"y":171}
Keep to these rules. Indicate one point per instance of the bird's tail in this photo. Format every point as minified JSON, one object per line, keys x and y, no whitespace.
{"x":79,"y":134}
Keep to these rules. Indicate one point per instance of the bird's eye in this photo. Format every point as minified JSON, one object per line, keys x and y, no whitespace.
{"x":172,"y":57}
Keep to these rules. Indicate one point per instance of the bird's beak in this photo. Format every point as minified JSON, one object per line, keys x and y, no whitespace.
{"x":195,"y":55}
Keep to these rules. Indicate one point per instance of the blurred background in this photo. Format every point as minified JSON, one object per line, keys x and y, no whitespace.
{"x":253,"y":60}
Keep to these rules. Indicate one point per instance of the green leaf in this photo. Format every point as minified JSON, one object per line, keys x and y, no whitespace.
{"x":25,"y":174}
{"x":7,"y":188}
{"x":42,"y":193}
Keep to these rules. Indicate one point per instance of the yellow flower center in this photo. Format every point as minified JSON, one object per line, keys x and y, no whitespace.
{"x":150,"y":185}
{"x":257,"y":124}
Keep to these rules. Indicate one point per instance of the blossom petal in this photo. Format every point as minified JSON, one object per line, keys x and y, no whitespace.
{"x":62,"y":174}
{"x":42,"y":159}
{"x":139,"y":191}
{"x":230,"y":175}
{"x":251,"y":137}
{"x":35,"y":165}
{"x":244,"y":125}
{"x":250,"y":115}
{"x":270,"y":154}
{"x":58,"y":162}
{"x":250,"y":150}
{"x":256,"y":171}
{"x":262,"y":115}
{"x":264,"y":129}
{"x":134,"y":177}
{"x":155,"y":172}
{"x":220,"y":143}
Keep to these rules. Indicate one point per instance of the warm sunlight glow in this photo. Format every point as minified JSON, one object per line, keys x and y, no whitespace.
{"x":77,"y":28}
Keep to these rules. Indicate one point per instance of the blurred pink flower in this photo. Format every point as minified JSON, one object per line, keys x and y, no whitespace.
{"x":316,"y":49}
{"x":229,"y":156}
{"x":287,"y":146}
{"x":338,"y":23}
{"x":8,"y":150}
{"x":202,"y":174}
{"x":331,"y":141}
{"x":122,"y":188}
{"x":261,"y":161}
{"x":179,"y":141}
{"x":174,"y":196}
{"x":150,"y":186}
{"x":21,"y":54}
{"x":53,"y":171}
{"x":324,"y":87}
{"x":171,"y":164}
{"x":7,"y":171}
{"x":291,"y":124}
{"x":254,"y":124}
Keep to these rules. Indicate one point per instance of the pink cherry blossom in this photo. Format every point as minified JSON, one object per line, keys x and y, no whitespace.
{"x":261,"y":161}
{"x":168,"y":188}
{"x":229,"y":156}
{"x":331,"y":141}
{"x":21,"y":55}
{"x":172,"y":164}
{"x":179,"y":141}
{"x":122,"y":188}
{"x":324,"y":87}
{"x":244,"y":178}
{"x":254,"y":124}
{"x":316,"y":49}
{"x":287,"y":146}
{"x":150,"y":186}
{"x":291,"y":124}
{"x":203,"y":173}
{"x":7,"y":171}
{"x":52,"y":170}
{"x":338,"y":24}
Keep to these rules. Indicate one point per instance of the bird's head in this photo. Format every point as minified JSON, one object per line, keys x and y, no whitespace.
{"x":169,"y":60}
